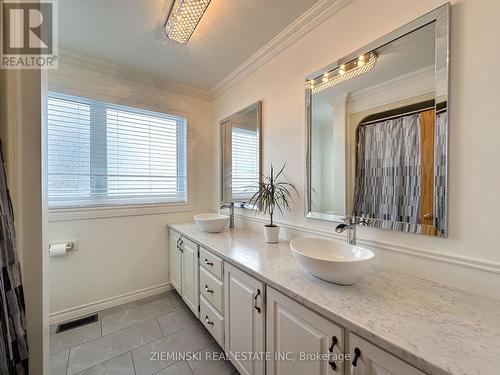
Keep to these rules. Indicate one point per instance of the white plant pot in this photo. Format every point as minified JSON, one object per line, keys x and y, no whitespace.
{"x":271,"y":234}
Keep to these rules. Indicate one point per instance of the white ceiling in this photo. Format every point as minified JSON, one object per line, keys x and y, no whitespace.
{"x":130,"y":33}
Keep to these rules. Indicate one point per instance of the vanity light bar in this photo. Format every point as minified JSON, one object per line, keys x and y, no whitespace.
{"x":183,"y":18}
{"x":344,"y":72}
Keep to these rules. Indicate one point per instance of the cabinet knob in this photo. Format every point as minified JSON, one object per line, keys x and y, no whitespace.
{"x":428,"y":216}
{"x":208,"y":321}
{"x":357,"y":354}
{"x":207,"y":262}
{"x":208,"y":290}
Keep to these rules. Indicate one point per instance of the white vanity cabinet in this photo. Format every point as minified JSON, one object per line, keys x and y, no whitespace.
{"x":212,"y":290}
{"x":263,"y":331}
{"x":184,"y":269}
{"x":212,"y":294}
{"x":244,"y":298}
{"x":190,"y":275}
{"x":294,"y":330}
{"x":368,"y":359}
{"x":175,"y":261}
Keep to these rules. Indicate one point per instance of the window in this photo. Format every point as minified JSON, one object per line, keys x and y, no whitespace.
{"x":106,"y":154}
{"x":245,"y":162}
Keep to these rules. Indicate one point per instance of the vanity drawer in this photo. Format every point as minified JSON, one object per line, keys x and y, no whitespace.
{"x":212,"y":320}
{"x":211,"y":289}
{"x":211,"y":263}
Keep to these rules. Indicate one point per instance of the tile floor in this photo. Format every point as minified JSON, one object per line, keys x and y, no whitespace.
{"x":124,"y":339}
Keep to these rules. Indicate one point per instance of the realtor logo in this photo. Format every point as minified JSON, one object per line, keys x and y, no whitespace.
{"x":29,"y":34}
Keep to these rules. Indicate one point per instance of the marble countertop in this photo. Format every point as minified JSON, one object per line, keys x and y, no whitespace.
{"x":438,"y":329}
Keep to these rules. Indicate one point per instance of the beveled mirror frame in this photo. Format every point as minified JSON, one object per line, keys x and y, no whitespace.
{"x":255,"y":106}
{"x":441,"y":17}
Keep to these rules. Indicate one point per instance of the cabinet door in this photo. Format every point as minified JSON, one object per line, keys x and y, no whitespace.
{"x":244,"y":319}
{"x":372,"y":360}
{"x":190,"y":274}
{"x":294,"y":331}
{"x":175,"y":261}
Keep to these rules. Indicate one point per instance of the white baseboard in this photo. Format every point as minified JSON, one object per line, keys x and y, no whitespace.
{"x":93,"y":307}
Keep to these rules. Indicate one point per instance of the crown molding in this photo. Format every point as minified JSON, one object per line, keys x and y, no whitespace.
{"x":75,"y":59}
{"x":312,"y":18}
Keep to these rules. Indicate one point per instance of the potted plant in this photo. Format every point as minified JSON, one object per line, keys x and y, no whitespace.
{"x":273,"y":194}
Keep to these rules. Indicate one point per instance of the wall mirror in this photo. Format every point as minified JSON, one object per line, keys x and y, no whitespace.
{"x":377,"y":131}
{"x":240,"y":137}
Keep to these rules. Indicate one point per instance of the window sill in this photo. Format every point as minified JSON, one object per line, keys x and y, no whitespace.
{"x":85,"y":213}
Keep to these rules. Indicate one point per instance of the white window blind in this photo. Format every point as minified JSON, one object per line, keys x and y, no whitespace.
{"x":245,"y":162}
{"x":106,"y":154}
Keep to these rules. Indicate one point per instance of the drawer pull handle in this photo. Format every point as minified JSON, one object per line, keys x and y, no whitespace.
{"x":357,"y":354}
{"x":207,"y":262}
{"x":333,"y":365}
{"x":256,"y":304}
{"x":208,"y":290}
{"x":208,"y":321}
{"x":334,"y":342}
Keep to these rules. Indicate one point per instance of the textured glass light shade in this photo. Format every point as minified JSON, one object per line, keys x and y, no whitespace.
{"x":183,"y":18}
{"x":352,"y":69}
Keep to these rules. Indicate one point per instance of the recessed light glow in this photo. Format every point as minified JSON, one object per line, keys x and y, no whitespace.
{"x":183,"y":18}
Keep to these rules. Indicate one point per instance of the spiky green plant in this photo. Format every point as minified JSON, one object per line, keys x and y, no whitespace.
{"x":273,"y":194}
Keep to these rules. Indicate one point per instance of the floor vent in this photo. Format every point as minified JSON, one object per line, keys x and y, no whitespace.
{"x":76,"y":323}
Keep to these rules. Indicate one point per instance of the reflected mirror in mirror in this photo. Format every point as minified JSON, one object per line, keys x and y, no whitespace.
{"x":377,"y":131}
{"x":240,"y":136}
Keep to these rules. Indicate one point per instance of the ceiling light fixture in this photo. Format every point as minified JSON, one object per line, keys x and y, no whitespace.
{"x":183,"y":18}
{"x":344,"y":72}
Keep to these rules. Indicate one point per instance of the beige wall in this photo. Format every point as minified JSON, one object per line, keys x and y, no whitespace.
{"x":469,"y":257}
{"x":125,"y":257}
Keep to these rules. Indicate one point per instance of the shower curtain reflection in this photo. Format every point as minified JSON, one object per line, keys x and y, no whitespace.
{"x":387,"y":182}
{"x":440,"y":171}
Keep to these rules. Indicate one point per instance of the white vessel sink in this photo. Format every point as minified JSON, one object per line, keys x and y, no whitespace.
{"x":211,"y":223}
{"x":332,"y":260}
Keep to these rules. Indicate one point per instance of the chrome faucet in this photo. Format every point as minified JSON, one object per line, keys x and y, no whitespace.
{"x":231,"y":212}
{"x":350,"y":224}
